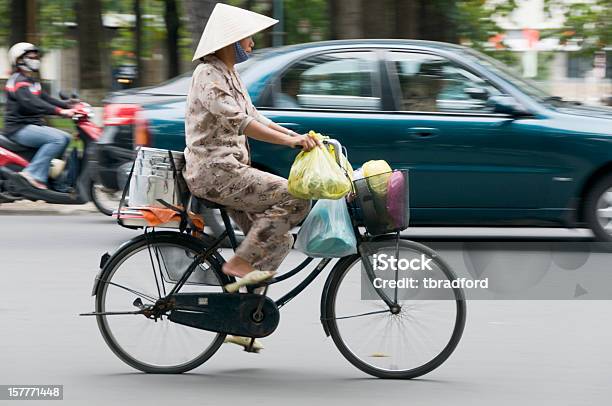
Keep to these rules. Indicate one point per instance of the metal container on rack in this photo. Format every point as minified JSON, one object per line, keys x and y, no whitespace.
{"x":154,"y":178}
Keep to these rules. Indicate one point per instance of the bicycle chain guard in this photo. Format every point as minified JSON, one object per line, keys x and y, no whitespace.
{"x":228,"y":313}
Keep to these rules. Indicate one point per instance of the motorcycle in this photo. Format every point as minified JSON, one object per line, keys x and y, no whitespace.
{"x":70,"y":180}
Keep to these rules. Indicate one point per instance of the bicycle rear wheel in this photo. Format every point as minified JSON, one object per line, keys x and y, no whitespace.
{"x":138,"y":275}
{"x":412,"y":339}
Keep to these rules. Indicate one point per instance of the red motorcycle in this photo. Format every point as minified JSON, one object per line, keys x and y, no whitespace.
{"x":73,"y":173}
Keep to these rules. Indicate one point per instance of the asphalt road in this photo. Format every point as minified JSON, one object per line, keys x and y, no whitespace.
{"x":512,"y":352}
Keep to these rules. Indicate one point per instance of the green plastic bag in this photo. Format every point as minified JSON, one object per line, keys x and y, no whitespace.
{"x":316,"y":175}
{"x":327,"y":232}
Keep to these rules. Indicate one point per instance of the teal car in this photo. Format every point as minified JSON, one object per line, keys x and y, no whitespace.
{"x":484,"y":146}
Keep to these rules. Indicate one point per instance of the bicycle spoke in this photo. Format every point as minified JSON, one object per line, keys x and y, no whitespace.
{"x":161,"y":276}
{"x":363,"y":314}
{"x":152,"y":264}
{"x":396,"y":267}
{"x":142,"y":295}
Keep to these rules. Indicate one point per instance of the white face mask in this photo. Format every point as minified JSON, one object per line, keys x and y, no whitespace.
{"x":33,"y":65}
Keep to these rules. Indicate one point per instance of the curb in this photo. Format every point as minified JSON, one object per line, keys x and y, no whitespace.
{"x":28,"y":207}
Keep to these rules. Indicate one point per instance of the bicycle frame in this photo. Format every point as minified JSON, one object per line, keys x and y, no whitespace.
{"x":229,"y":233}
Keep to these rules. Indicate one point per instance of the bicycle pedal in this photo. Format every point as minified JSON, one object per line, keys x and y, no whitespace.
{"x":259,"y":288}
{"x":248,"y":344}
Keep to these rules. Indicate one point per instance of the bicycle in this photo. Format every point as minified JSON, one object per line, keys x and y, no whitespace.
{"x":174,"y":280}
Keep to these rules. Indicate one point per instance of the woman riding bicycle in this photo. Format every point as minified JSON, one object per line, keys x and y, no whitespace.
{"x":219,"y":117}
{"x":173,"y":284}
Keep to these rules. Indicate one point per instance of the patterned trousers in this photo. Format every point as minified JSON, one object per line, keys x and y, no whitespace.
{"x":265,"y":211}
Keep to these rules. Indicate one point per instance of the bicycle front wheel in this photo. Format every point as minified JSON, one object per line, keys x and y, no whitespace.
{"x":140,"y":274}
{"x":408,"y":335}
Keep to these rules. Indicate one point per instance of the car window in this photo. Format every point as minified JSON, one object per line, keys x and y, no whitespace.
{"x":340,"y":80}
{"x":527,"y":86}
{"x":433,"y":83}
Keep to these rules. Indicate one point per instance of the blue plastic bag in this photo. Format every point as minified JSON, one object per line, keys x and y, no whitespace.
{"x":327,"y":232}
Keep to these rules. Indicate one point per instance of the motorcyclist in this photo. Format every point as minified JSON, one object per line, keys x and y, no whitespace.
{"x":26,"y":105}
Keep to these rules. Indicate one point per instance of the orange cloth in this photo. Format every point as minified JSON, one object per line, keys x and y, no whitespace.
{"x":156,"y":216}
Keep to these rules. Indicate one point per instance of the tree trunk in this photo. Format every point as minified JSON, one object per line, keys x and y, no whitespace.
{"x":346,"y":19}
{"x":172,"y":36}
{"x":138,"y":42}
{"x":19,"y":18}
{"x":198,"y":12}
{"x":91,"y":38}
{"x":332,"y":10}
{"x":266,"y":38}
{"x":377,"y":23}
{"x":436,"y":23}
{"x":406,"y":18}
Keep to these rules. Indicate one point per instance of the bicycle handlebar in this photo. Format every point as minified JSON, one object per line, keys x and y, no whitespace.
{"x":337,"y":148}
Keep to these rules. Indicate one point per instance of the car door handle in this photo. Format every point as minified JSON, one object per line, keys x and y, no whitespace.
{"x":423,"y":132}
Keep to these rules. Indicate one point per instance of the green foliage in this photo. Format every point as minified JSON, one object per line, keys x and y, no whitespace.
{"x":475,"y":22}
{"x":306,"y":21}
{"x":56,"y":19}
{"x":4,"y":26}
{"x":122,"y":43}
{"x":52,"y":20}
{"x":588,"y":22}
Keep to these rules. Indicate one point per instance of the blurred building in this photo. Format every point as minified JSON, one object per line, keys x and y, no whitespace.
{"x":560,"y":68}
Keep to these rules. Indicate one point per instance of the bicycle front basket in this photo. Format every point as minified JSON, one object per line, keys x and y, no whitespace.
{"x":383,"y":201}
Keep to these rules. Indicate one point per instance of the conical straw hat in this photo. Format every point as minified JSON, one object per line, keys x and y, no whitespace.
{"x":229,"y":24}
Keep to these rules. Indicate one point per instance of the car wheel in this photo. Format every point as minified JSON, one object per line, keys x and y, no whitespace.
{"x":598,"y":209}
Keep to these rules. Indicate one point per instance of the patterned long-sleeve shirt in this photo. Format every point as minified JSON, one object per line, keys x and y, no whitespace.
{"x":218,"y":110}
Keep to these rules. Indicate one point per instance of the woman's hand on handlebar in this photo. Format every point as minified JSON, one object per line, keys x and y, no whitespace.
{"x":305,"y":141}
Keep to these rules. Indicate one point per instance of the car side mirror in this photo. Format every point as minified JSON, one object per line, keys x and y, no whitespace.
{"x":507,"y":105}
{"x":477,"y":93}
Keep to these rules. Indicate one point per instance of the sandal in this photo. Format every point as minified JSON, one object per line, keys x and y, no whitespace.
{"x":252,"y":278}
{"x":35,"y":183}
{"x":245,"y":342}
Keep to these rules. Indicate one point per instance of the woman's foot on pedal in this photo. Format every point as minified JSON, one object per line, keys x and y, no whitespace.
{"x":252,"y":278}
{"x":245,"y":342}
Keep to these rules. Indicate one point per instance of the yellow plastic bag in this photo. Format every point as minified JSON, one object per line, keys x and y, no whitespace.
{"x":377,"y":184}
{"x":316,"y":175}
